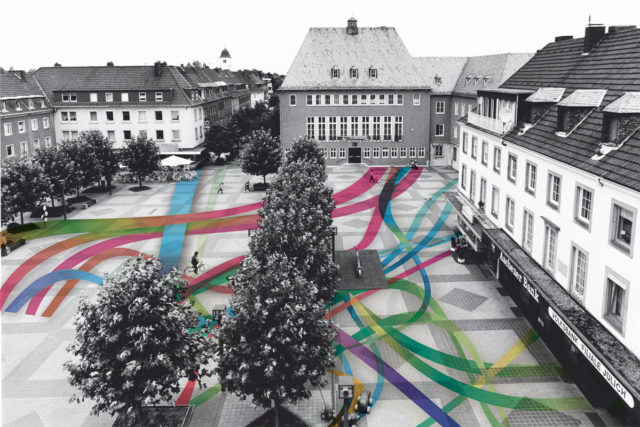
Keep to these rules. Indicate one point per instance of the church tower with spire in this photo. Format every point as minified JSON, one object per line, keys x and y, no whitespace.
{"x":224,"y":61}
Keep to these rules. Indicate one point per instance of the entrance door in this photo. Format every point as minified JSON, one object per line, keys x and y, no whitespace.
{"x":355,"y":154}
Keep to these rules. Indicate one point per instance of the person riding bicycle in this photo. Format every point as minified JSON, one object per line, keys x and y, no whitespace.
{"x":195,"y":262}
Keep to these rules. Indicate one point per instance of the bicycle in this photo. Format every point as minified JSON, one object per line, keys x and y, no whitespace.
{"x":190,"y":269}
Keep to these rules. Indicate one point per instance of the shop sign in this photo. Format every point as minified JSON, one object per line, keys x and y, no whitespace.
{"x":613,"y":382}
{"x":533,"y":291}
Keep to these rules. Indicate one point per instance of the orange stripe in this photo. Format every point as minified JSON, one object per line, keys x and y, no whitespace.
{"x":87,"y":266}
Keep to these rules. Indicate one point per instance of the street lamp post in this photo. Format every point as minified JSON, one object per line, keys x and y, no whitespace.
{"x":216,"y":312}
{"x":334,"y":233}
{"x":64,"y":203}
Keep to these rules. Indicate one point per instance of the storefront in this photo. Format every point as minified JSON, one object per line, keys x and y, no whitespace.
{"x":600,"y":365}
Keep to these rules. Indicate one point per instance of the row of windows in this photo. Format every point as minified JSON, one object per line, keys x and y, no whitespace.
{"x":623,"y":218}
{"x":24,"y":146}
{"x":21,"y":104}
{"x":128,"y":134}
{"x":377,"y":152}
{"x":71,"y":116}
{"x":354,"y":99}
{"x":583,"y":197}
{"x":377,"y":128}
{"x":354,"y":73}
{"x":22,"y":126}
{"x":108,"y":97}
{"x":459,"y":109}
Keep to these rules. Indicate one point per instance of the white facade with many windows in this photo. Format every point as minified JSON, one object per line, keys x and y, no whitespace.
{"x":582,"y":229}
{"x":182,"y":127}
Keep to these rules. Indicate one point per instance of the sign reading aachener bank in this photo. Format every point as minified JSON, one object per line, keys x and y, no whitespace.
{"x":613,"y":382}
{"x":520,"y":277}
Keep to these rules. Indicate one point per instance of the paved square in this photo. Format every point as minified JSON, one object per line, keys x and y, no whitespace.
{"x":442,"y":342}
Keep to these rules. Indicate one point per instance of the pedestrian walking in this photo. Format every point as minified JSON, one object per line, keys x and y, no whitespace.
{"x":194,"y":262}
{"x":44,"y":216}
{"x":246,"y":187}
{"x":371,"y":178}
{"x":220,"y":189}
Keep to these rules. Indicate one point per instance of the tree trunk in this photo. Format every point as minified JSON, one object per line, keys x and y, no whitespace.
{"x":21,"y":217}
{"x":137,"y":411}
{"x":53,"y":202}
{"x":109,"y":185}
{"x":264,"y":179}
{"x":140,"y":182}
{"x":78,"y":192}
{"x":276,"y":413}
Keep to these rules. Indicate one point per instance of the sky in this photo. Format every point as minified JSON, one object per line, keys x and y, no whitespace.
{"x":267,"y":34}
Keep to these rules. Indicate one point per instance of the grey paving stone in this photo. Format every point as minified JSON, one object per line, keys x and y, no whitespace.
{"x":463,"y":299}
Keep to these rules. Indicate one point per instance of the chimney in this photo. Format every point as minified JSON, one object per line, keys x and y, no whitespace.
{"x":563,"y":38}
{"x":592,"y":35}
{"x":57,"y":64}
{"x":157,"y":69}
{"x":620,"y":28}
{"x":19,"y":74}
{"x":110,"y":64}
{"x":352,"y":27}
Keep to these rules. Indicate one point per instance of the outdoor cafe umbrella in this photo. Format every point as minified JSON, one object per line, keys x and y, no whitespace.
{"x":174,"y":161}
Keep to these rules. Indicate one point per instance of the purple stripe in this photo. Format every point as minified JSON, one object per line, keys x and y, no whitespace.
{"x":396,"y":379}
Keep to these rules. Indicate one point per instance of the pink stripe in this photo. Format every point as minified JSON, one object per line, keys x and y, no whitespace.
{"x":420,"y":266}
{"x":84,"y":254}
{"x":360,"y":186}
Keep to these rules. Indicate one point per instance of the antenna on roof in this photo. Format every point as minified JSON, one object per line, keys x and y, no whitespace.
{"x":589,"y":20}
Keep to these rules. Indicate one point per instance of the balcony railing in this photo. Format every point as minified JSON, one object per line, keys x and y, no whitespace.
{"x":490,"y":124}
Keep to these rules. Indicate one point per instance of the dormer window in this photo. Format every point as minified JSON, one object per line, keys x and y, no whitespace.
{"x":373,"y":73}
{"x":476,"y":79}
{"x":354,"y":73}
{"x":467,"y":80}
{"x":335,"y":73}
{"x":575,"y":108}
{"x":486,"y":80}
{"x":437,"y":80}
{"x":621,"y":118}
{"x":30,"y":104}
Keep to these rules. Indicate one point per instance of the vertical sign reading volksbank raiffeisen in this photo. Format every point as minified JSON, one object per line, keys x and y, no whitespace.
{"x":615,"y":384}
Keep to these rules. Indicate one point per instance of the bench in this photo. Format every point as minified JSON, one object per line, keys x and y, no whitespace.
{"x":91,"y":202}
{"x":13,"y":246}
{"x":260,"y":186}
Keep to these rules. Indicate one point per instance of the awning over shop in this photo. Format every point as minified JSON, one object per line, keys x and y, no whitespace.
{"x":471,"y":221}
{"x":555,"y":308}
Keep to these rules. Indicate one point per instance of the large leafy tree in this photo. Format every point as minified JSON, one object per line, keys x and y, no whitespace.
{"x":59,"y":169}
{"x":141,"y":156}
{"x":222,"y":138}
{"x":262,"y":155}
{"x":296,"y":221}
{"x":81,"y":154}
{"x":106,"y":158}
{"x":132,"y":345}
{"x":277,"y":346}
{"x":24,"y":186}
{"x":307,"y":150}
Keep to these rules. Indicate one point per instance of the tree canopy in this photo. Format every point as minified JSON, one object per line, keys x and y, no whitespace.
{"x":278,"y":343}
{"x":59,"y":169}
{"x":132,"y":344}
{"x":141,"y":156}
{"x":24,"y":186}
{"x":106,"y":159}
{"x":262,"y":155}
{"x":308,"y":150}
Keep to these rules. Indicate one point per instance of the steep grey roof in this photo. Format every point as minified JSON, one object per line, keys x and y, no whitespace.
{"x":380,"y":48}
{"x":629,"y":103}
{"x":117,"y":78}
{"x":488,"y":71}
{"x":12,"y":86}
{"x":614,"y":65}
{"x":448,"y":68}
{"x":546,"y":94}
{"x":584,"y":98}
